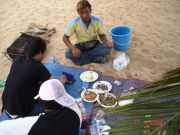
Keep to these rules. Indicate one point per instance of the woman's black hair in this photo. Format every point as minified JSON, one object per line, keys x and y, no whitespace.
{"x":51,"y":105}
{"x":35,"y":46}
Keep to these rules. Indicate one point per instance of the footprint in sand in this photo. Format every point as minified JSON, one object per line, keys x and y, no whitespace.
{"x":145,"y":51}
{"x":138,"y":41}
{"x":157,"y":56}
{"x":172,"y":54}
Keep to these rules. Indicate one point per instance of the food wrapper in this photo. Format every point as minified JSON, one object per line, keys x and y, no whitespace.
{"x":70,"y":77}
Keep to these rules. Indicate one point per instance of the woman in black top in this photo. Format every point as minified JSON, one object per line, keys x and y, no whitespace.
{"x":24,"y":80}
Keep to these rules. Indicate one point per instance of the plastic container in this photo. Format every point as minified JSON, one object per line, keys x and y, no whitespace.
{"x":99,"y":115}
{"x":82,"y":108}
{"x":52,"y":59}
{"x":121,"y":36}
{"x":121,"y":47}
{"x":117,"y":83}
{"x":93,"y":128}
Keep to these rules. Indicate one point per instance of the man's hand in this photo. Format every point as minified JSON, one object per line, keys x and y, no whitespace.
{"x":110,"y":44}
{"x":76,"y":52}
{"x":105,"y":40}
{"x":63,"y":79}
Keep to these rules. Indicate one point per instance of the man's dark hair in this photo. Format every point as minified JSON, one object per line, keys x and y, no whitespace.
{"x":35,"y":46}
{"x":82,"y":4}
{"x":51,"y":105}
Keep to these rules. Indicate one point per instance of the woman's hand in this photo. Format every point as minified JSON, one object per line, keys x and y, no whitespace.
{"x":63,"y":79}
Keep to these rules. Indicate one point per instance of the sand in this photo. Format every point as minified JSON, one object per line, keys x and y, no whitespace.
{"x":155,"y":45}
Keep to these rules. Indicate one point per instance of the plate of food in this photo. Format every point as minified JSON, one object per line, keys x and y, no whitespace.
{"x":102,"y":86}
{"x":89,"y":76}
{"x":107,"y":100}
{"x":89,"y":95}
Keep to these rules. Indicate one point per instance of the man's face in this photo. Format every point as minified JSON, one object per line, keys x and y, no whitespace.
{"x":85,"y":14}
{"x":41,"y":56}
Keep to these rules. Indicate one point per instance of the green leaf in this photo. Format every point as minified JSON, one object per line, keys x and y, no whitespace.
{"x":159,"y":100}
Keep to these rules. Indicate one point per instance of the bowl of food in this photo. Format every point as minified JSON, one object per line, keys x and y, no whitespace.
{"x":89,"y":95}
{"x":89,"y":76}
{"x":107,"y":100}
{"x":102,"y":86}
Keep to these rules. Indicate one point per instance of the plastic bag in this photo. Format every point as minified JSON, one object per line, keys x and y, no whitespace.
{"x":121,"y":61}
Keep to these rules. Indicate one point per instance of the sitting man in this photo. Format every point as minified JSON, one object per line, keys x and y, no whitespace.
{"x":87,"y":29}
{"x":24,"y":80}
{"x":62,"y":115}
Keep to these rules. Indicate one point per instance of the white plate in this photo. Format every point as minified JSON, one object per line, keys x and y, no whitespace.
{"x":102,"y":82}
{"x":125,"y":102}
{"x":89,"y":76}
{"x":82,"y":95}
{"x":105,"y":106}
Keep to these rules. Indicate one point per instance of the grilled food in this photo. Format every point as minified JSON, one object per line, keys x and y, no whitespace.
{"x":90,"y":95}
{"x":102,"y":86}
{"x":107,"y":99}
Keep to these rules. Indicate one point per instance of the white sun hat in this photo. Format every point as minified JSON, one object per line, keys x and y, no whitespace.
{"x":53,"y":89}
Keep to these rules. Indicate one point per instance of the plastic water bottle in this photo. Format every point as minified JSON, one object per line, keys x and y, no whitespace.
{"x":85,"y":85}
{"x":99,"y":115}
{"x":81,"y":107}
{"x":117,"y":83}
{"x":52,"y":59}
{"x":107,"y":65}
{"x":93,"y":128}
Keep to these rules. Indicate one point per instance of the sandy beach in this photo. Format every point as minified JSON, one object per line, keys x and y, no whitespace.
{"x":155,"y":44}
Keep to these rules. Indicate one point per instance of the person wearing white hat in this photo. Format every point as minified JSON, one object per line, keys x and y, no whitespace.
{"x":62,"y":115}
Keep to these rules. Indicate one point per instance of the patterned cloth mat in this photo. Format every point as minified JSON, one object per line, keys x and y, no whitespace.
{"x":73,"y":89}
{"x":76,"y":88}
{"x":126,"y":84}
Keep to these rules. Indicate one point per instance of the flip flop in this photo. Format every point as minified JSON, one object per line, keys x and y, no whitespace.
{"x":2,"y":83}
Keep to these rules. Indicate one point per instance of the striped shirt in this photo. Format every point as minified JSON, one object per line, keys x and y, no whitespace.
{"x":84,"y":33}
